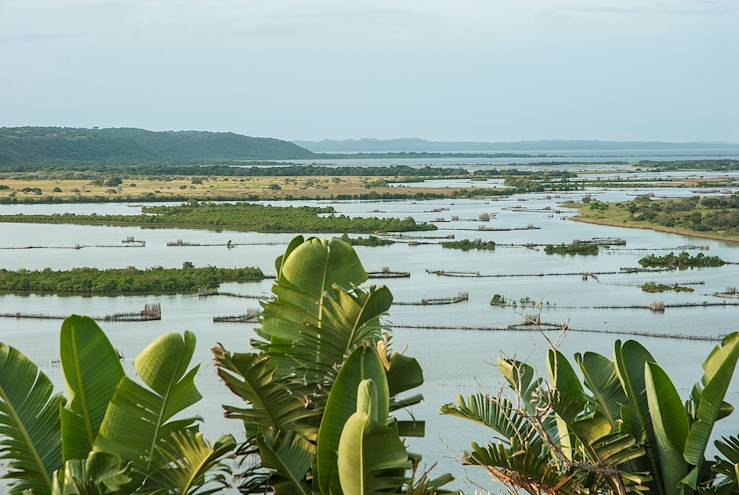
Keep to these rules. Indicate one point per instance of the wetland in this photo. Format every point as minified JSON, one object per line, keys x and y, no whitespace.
{"x":230,"y":248}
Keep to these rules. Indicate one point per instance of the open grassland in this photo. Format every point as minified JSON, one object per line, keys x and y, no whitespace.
{"x":211,"y":188}
{"x":707,"y":217}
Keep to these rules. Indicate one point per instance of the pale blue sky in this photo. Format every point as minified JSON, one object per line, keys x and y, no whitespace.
{"x":447,"y":70}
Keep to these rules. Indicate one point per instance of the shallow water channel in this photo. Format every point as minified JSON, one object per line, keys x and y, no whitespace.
{"x":454,"y":361}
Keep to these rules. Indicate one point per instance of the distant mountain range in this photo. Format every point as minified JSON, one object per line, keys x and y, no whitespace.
{"x":65,"y":145}
{"x":368,"y":145}
{"x":22,"y":146}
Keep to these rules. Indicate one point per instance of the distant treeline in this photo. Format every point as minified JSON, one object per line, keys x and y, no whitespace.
{"x":720,"y":165}
{"x":247,"y":217}
{"x":93,"y":281}
{"x":267,"y":169}
{"x":152,"y":197}
{"x":540,"y":182}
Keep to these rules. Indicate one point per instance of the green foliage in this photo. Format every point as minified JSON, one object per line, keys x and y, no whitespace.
{"x":114,"y":435}
{"x":239,"y":216}
{"x":526,"y":301}
{"x":683,"y":261}
{"x":468,"y":245}
{"x":723,"y":165}
{"x":572,"y":249}
{"x":320,"y":383}
{"x":622,"y":429}
{"x":271,"y":169}
{"x":30,"y":439}
{"x":655,"y":287}
{"x":701,"y":214}
{"x":123,"y":280}
{"x":370,"y":241}
{"x":540,"y":182}
{"x":67,"y":145}
{"x":498,"y":300}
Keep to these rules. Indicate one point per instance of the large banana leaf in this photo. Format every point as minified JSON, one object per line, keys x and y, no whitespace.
{"x":350,"y":319}
{"x":718,"y":369}
{"x":602,"y":380}
{"x":631,"y":359}
{"x":192,"y":465}
{"x":100,"y":473}
{"x":569,"y":390}
{"x":670,"y":423}
{"x":403,"y":374}
{"x":29,"y":424}
{"x":307,"y":271}
{"x":363,"y":363}
{"x":92,"y":370}
{"x":272,"y":405}
{"x":138,"y":418}
{"x":372,"y":458}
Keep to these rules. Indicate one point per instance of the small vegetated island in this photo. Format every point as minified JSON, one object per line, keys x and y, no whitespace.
{"x":369,"y":241}
{"x":657,"y":287}
{"x":572,"y":249}
{"x":682,"y":261}
{"x":468,"y":245}
{"x":711,"y":217}
{"x":116,"y":281}
{"x":245,"y":217}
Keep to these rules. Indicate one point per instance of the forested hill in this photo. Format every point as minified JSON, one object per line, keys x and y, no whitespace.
{"x":64,"y":145}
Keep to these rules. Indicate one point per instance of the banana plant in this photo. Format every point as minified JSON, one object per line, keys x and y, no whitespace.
{"x":621,"y":428}
{"x":113,"y":434}
{"x":319,"y":339}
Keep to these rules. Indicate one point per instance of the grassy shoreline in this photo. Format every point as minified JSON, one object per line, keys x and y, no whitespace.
{"x":151,"y":189}
{"x":621,"y":219}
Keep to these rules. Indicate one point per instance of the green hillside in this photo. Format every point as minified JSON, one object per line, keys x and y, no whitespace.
{"x":66,"y":145}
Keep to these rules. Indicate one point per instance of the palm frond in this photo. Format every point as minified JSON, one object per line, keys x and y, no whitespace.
{"x":30,"y":431}
{"x":191,"y":465}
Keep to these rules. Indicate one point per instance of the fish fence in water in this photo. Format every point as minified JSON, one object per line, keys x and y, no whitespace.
{"x":209,"y":293}
{"x":76,"y":246}
{"x":131,"y":240}
{"x":250,"y":316}
{"x":584,"y":275}
{"x":229,"y":244}
{"x":485,"y":228}
{"x":461,"y":297}
{"x":386,"y":272}
{"x":556,"y":328}
{"x":658,"y":307}
{"x":151,"y":312}
{"x":729,"y":293}
{"x":418,"y":237}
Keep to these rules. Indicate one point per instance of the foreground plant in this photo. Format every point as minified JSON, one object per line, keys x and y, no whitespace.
{"x":622,"y":429}
{"x":113,"y":434}
{"x":321,"y":384}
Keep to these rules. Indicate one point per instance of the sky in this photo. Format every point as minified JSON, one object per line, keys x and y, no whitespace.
{"x":478,"y":70}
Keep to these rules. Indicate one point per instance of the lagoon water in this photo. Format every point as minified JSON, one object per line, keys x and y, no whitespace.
{"x":454,"y":361}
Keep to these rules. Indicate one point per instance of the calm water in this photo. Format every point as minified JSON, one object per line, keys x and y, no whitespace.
{"x":454,"y":361}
